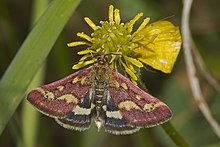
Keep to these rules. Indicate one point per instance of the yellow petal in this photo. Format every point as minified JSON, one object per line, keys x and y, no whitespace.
{"x":129,"y":71}
{"x":82,"y":64}
{"x":87,"y":51}
{"x":133,"y":76}
{"x":83,"y":58}
{"x":84,"y":36}
{"x":117,"y":16}
{"x":161,"y":50}
{"x":143,"y":24}
{"x":133,"y":81}
{"x":111,"y":10}
{"x":131,"y":23}
{"x":90,"y":23}
{"x":76,"y":43}
{"x":134,"y":61}
{"x":78,"y":65}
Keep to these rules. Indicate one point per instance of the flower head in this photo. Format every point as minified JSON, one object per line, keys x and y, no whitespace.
{"x":156,"y":44}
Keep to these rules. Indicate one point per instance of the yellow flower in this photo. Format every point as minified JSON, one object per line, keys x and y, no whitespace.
{"x":156,"y":44}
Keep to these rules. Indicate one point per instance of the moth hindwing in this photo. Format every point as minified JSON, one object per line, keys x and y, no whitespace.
{"x":101,"y":95}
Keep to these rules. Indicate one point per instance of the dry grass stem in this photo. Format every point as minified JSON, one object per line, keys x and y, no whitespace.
{"x":191,"y":70}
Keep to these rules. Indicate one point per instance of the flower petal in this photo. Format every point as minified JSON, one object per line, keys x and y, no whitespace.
{"x":129,"y":71}
{"x":90,"y":23}
{"x":82,"y":64}
{"x":76,"y":43}
{"x":86,"y":51}
{"x":134,"y":61}
{"x":161,"y":50}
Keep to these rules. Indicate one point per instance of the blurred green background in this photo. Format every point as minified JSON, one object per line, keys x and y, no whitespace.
{"x":30,"y":128}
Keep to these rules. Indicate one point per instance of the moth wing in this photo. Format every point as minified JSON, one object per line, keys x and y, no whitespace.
{"x":59,"y":98}
{"x":136,"y":106}
{"x":80,"y":117}
{"x":114,"y":122}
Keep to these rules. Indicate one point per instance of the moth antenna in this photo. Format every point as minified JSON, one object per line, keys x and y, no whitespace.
{"x":168,"y":17}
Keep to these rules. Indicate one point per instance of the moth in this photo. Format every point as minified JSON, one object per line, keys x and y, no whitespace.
{"x":101,"y":95}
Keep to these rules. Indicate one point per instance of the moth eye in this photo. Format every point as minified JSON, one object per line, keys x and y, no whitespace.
{"x":49,"y":95}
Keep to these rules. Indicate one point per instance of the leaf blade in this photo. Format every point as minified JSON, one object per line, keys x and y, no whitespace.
{"x":31,"y":55}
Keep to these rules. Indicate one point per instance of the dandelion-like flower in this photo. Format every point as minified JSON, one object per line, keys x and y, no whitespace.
{"x":156,"y":44}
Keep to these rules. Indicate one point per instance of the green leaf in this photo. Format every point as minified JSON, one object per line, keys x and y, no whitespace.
{"x":29,"y":115}
{"x":31,"y":55}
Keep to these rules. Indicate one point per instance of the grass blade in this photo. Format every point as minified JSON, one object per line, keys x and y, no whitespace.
{"x":31,"y":55}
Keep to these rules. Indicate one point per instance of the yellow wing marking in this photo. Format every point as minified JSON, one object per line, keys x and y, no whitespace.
{"x":69,"y":98}
{"x":128,"y":105}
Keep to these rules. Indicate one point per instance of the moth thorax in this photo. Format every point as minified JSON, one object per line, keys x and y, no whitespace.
{"x":100,"y":77}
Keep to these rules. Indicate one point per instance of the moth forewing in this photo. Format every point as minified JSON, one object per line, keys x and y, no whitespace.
{"x":59,"y":98}
{"x":137,"y":107}
{"x":114,"y":122}
{"x":80,"y":117}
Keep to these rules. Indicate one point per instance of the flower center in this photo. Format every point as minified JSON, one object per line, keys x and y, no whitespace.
{"x":112,"y":38}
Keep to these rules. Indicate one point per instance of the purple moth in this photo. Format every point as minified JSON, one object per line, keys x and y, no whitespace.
{"x":101,"y":95}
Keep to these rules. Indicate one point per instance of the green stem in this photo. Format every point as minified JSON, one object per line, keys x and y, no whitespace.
{"x":174,"y":135}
